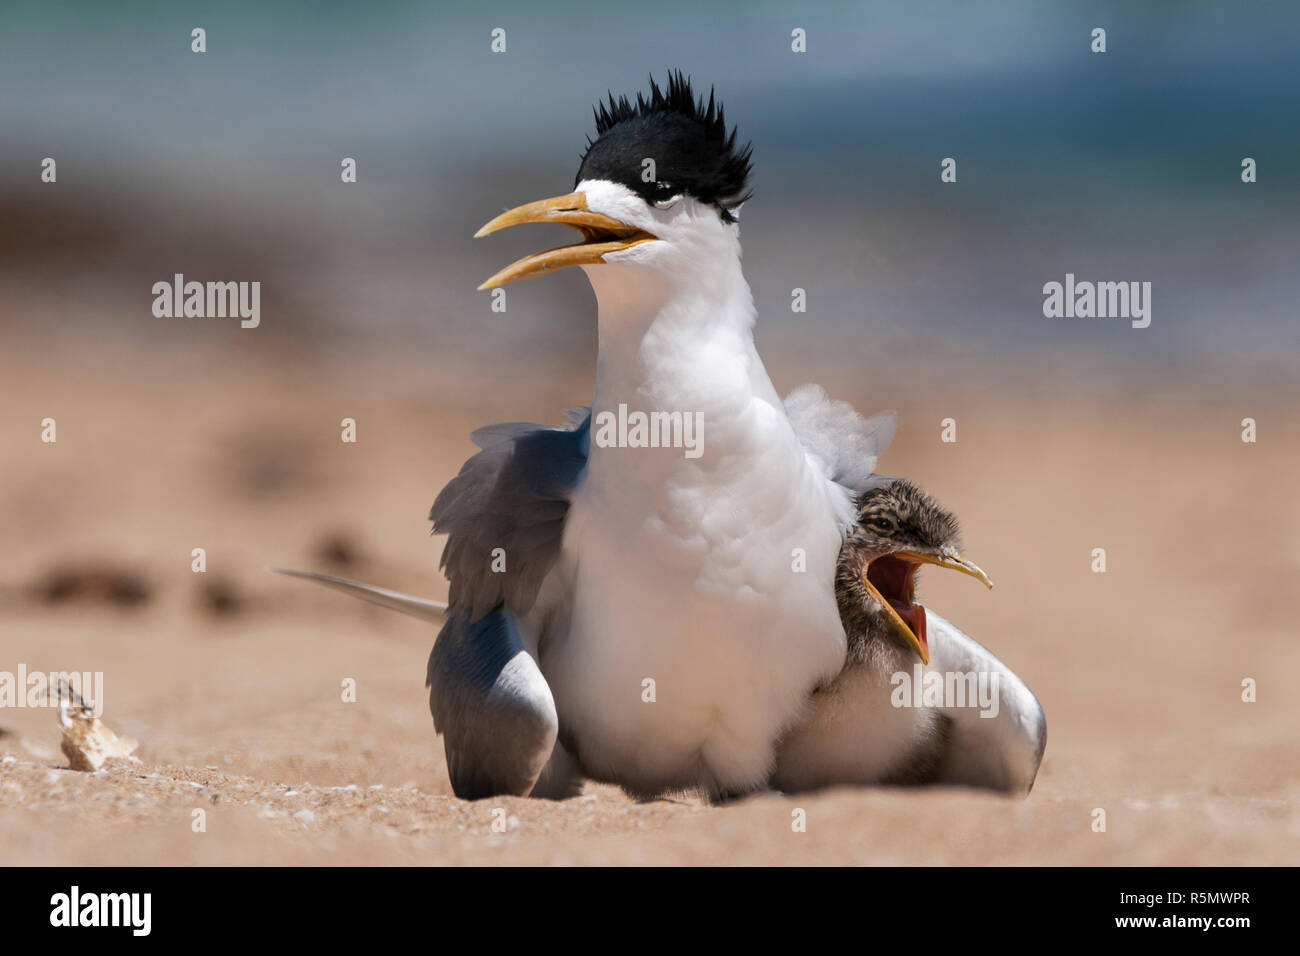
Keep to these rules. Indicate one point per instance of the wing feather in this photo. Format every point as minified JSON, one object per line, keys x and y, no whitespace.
{"x":492,"y":706}
{"x":513,"y":495}
{"x":844,"y":444}
{"x":1001,"y":752}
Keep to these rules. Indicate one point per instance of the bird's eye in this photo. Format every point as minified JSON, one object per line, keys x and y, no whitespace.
{"x":883,"y":525}
{"x":665,"y":195}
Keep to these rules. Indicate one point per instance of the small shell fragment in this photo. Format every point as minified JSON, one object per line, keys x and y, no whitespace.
{"x":87,"y":742}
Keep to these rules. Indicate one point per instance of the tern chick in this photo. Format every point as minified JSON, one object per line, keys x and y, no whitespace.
{"x":855,"y":734}
{"x":899,"y":528}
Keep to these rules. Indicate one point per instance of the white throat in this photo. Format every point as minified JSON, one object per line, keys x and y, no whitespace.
{"x":678,"y":343}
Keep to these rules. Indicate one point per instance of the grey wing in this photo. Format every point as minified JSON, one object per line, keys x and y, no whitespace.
{"x":488,"y":697}
{"x":843,"y":443}
{"x":508,"y":503}
{"x":999,"y":752}
{"x":492,"y":706}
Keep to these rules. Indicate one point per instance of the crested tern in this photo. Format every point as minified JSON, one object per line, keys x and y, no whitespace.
{"x":660,"y":620}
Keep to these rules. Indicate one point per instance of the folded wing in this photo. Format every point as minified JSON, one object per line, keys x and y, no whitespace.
{"x":1000,"y":752}
{"x":504,"y":516}
{"x":506,"y":508}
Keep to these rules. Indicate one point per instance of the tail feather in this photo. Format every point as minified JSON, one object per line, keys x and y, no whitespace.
{"x":423,"y":608}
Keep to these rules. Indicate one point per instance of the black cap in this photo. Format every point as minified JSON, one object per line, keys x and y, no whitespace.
{"x":686,"y":138}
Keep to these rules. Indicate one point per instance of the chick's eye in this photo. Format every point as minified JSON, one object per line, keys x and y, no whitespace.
{"x":883,"y":525}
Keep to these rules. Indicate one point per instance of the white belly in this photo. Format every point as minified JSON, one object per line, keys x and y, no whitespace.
{"x":695,"y":639}
{"x":854,"y":734}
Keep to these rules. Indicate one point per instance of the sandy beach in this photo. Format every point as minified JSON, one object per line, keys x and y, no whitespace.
{"x":230,"y":679}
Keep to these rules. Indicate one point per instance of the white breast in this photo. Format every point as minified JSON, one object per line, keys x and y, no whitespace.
{"x":705,"y":584}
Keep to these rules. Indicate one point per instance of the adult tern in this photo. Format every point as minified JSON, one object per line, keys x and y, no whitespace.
{"x":623,"y":608}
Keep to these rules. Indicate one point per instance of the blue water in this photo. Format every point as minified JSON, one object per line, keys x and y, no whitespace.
{"x":1118,"y":166}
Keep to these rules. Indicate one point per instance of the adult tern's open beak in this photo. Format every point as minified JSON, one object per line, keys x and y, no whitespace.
{"x":600,"y":235}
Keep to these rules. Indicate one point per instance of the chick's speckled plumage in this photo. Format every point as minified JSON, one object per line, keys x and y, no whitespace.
{"x":896,"y":517}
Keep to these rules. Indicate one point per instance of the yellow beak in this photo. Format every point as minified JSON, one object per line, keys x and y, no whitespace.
{"x":601,"y":236}
{"x":945,"y":559}
{"x":948,"y":559}
{"x":901,"y":627}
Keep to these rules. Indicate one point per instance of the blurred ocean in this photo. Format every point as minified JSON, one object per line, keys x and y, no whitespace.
{"x":225,"y":166}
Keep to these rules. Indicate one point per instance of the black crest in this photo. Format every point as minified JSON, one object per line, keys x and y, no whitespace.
{"x":686,"y":138}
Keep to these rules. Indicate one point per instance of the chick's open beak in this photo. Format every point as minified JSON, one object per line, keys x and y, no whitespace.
{"x":948,"y":558}
{"x":601,"y":235}
{"x":891,"y":578}
{"x":912,"y":632}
